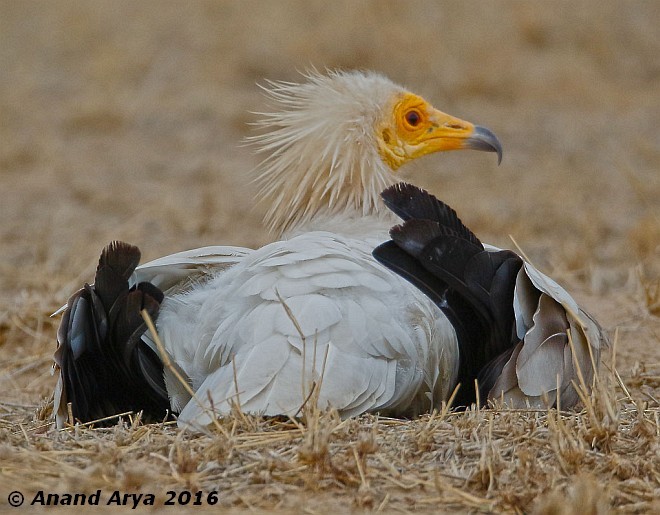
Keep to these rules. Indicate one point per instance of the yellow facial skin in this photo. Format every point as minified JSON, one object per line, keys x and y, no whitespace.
{"x":415,"y":128}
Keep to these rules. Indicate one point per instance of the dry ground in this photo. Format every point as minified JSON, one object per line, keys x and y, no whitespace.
{"x":124,"y":120}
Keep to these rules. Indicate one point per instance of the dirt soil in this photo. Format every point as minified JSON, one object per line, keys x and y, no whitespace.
{"x":126,"y":120}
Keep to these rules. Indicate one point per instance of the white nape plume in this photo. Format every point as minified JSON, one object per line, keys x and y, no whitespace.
{"x":321,"y":144}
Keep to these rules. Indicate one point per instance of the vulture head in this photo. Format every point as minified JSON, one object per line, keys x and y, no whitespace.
{"x":334,"y":142}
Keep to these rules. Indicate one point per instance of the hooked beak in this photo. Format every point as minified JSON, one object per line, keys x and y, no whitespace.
{"x":483,"y":139}
{"x":450,"y":133}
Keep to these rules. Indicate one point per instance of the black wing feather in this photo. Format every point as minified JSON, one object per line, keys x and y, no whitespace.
{"x":410,"y":202}
{"x":456,"y":308}
{"x":471,"y":285}
{"x":106,"y":368}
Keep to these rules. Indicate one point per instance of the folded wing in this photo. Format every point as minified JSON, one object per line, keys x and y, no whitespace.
{"x":521,"y":336}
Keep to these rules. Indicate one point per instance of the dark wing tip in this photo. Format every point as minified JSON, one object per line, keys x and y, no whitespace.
{"x":410,"y":202}
{"x":121,"y":257}
{"x":398,"y":196}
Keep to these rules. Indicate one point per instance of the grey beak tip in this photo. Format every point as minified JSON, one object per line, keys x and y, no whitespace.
{"x":484,"y":139}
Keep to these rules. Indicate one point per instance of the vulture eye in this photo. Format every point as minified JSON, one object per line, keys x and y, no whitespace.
{"x":413,"y":118}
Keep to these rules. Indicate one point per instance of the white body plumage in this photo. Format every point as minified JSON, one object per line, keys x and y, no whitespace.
{"x":379,"y":343}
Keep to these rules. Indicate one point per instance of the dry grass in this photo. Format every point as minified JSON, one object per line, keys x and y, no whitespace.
{"x":602,"y":457}
{"x":123,"y":120}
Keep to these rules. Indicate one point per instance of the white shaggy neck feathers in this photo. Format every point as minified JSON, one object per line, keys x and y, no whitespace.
{"x":322,"y":151}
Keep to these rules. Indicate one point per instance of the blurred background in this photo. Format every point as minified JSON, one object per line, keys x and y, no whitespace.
{"x":126,"y":120}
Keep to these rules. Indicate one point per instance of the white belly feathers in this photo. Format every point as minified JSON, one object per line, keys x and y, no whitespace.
{"x":381,"y":340}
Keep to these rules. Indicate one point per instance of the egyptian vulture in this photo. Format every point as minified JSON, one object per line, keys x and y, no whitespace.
{"x":333,"y":308}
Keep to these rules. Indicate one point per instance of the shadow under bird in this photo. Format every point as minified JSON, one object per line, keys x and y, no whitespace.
{"x":391,"y":332}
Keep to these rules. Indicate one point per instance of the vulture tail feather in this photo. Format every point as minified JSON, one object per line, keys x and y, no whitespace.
{"x":105,"y":367}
